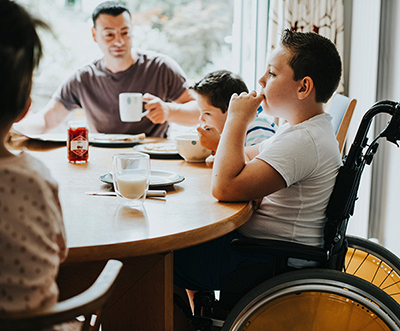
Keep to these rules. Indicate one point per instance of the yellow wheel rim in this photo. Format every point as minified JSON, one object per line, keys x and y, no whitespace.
{"x":313,"y":311}
{"x":374,"y":270}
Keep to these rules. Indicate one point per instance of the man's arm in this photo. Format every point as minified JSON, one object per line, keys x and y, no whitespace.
{"x":182,"y":111}
{"x":47,"y":119}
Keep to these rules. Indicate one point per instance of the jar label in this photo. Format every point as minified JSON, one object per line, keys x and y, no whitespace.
{"x":79,"y":145}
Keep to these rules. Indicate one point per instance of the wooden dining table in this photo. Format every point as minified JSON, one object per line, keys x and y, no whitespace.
{"x":99,"y":229}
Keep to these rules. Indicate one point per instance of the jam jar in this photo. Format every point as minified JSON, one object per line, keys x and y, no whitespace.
{"x":78,"y":142}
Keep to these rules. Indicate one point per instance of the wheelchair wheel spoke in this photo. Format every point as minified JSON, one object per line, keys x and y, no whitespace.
{"x":386,"y":278}
{"x":391,"y":285}
{"x":349,"y":262}
{"x":354,"y":264}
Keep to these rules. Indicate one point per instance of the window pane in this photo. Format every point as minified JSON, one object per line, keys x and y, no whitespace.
{"x":195,"y":33}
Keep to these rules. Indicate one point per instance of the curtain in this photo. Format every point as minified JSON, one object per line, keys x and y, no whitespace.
{"x":325,"y":17}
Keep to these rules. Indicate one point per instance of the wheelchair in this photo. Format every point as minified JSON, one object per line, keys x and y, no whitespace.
{"x":354,"y":286}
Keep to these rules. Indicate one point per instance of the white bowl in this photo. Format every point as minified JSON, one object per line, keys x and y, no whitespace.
{"x":190,"y":149}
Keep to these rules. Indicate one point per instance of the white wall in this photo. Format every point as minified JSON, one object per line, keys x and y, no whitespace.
{"x":375,"y":75}
{"x":363,"y":74}
{"x":390,"y":207}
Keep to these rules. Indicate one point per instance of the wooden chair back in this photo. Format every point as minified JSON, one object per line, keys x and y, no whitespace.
{"x":341,"y":109}
{"x":87,"y":304}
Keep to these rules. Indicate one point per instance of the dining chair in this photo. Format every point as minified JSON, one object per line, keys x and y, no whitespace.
{"x":88,"y":304}
{"x":341,"y":109}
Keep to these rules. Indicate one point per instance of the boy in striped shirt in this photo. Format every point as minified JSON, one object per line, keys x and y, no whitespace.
{"x":213,"y":94}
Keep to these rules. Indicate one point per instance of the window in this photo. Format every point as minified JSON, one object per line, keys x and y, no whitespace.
{"x":250,"y":31}
{"x":196,"y":33}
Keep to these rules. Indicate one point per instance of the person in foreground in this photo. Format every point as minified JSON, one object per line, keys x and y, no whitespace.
{"x":96,"y":87}
{"x":213,"y":93}
{"x":32,"y":235}
{"x":290,"y":176}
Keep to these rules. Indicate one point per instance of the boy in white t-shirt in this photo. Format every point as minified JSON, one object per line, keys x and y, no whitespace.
{"x":291,"y":175}
{"x":213,"y":93}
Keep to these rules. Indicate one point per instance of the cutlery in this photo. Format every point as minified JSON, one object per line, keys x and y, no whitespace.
{"x":150,"y":193}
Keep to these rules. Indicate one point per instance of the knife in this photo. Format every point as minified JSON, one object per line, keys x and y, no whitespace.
{"x":150,"y":193}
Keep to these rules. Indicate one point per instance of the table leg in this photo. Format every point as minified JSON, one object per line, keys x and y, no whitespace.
{"x":142,"y":299}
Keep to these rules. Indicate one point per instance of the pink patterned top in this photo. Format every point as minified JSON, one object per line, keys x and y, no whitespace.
{"x":32,"y":235}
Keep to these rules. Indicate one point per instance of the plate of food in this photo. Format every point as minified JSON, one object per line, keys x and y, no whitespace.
{"x":158,"y":178}
{"x":115,"y":140}
{"x":167,"y":149}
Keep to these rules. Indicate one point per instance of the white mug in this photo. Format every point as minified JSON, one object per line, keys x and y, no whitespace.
{"x":130,"y":107}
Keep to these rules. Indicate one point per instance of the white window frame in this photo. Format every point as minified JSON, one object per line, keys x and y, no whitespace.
{"x":249,"y":45}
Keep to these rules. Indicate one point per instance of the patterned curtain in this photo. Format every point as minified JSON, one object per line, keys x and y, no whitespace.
{"x":324,"y":17}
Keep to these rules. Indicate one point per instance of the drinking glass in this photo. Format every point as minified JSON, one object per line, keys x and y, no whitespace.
{"x":131,"y":177}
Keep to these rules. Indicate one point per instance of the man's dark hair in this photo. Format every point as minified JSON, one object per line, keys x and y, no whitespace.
{"x":20,"y":53}
{"x":112,"y":8}
{"x":218,"y":87}
{"x":317,"y":57}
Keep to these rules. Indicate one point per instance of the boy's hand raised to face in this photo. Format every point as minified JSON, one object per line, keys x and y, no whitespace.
{"x":244,"y":106}
{"x":209,"y":137}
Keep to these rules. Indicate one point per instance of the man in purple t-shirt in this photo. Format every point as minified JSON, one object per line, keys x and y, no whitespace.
{"x":96,"y":87}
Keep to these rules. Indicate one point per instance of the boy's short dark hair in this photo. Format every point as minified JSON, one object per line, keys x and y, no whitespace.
{"x":112,"y":8}
{"x":20,"y":53}
{"x":218,"y":87}
{"x":317,"y":57}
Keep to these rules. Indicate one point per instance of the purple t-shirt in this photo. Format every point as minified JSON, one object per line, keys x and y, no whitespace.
{"x":96,"y":89}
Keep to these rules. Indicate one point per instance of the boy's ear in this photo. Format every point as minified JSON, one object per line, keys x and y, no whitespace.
{"x":94,"y":34}
{"x":305,"y":88}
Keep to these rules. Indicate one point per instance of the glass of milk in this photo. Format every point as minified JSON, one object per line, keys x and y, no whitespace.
{"x":131,"y":176}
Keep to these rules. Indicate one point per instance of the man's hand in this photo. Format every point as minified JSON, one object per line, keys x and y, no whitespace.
{"x":209,"y":137}
{"x":159,"y":110}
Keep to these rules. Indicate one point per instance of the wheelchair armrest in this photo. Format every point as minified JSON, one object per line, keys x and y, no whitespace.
{"x":280,"y":248}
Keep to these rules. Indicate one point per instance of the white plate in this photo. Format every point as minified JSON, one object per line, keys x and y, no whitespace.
{"x":103,"y":139}
{"x":96,"y":139}
{"x":53,"y":137}
{"x":157,"y":179}
{"x":157,"y":149}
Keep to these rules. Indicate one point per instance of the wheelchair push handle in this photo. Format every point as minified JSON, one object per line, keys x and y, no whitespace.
{"x":391,"y":132}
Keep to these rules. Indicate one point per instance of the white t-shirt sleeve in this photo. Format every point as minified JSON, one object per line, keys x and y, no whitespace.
{"x":294,"y":162}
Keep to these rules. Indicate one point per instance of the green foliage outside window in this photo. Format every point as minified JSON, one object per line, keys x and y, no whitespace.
{"x":195,"y":33}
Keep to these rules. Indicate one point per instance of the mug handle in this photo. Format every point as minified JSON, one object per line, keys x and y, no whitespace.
{"x":145,"y":113}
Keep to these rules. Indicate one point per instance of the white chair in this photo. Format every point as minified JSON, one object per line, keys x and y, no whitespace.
{"x":88,"y":304}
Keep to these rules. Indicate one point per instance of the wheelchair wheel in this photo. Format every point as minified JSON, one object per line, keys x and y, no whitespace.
{"x":374,"y":263}
{"x":314,"y":299}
